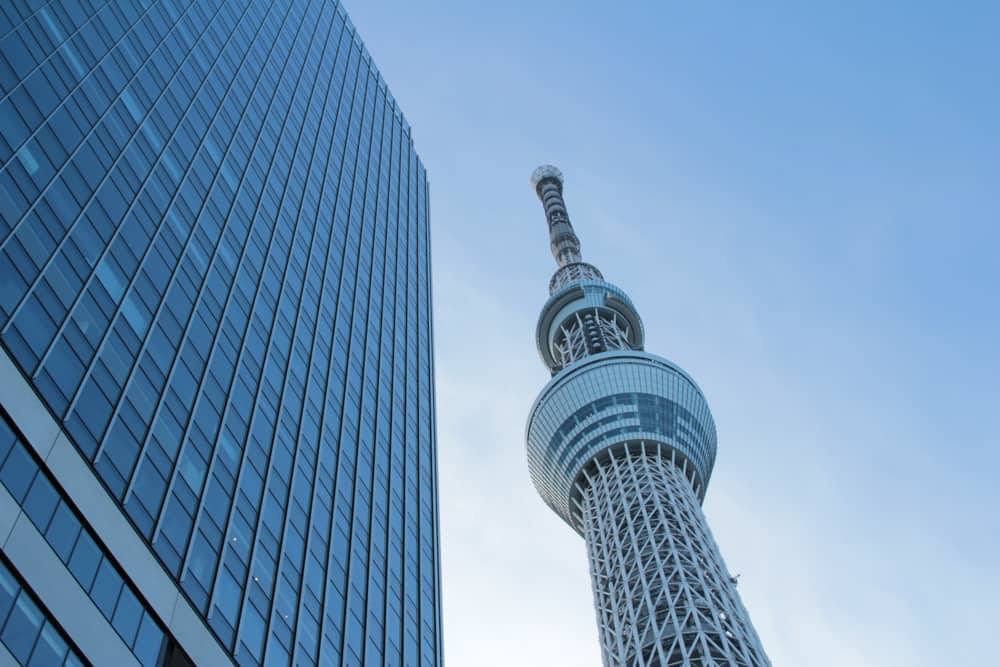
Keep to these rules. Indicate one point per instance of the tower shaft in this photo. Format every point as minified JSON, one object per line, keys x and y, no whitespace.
{"x":661,"y":592}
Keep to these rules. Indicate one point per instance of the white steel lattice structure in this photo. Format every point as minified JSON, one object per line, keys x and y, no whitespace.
{"x":621,"y":445}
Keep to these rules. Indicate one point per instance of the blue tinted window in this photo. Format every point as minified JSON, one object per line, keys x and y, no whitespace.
{"x":84,"y":560}
{"x":7,"y":439}
{"x":128,"y":613}
{"x":50,"y":649}
{"x":41,"y":502}
{"x":63,"y":531}
{"x":22,"y":627}
{"x":17,"y":472}
{"x":8,"y":592}
{"x":107,"y":586}
{"x":148,"y":642}
{"x":73,"y":660}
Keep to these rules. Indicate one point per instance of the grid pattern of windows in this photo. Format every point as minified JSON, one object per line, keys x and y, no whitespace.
{"x":214,"y":269}
{"x":611,"y":416}
{"x":26,"y":628}
{"x":75,"y":545}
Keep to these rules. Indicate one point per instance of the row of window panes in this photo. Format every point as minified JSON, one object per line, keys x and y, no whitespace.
{"x":27,"y":630}
{"x":77,"y":548}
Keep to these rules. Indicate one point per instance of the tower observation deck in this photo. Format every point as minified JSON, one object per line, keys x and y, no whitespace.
{"x":621,"y":445}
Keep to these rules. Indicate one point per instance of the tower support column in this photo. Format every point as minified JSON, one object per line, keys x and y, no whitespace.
{"x":662,"y":594}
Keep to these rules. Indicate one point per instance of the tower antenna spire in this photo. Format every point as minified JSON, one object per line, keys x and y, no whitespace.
{"x":548,"y":183}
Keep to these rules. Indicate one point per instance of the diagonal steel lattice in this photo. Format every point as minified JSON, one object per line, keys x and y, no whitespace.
{"x":661,"y":593}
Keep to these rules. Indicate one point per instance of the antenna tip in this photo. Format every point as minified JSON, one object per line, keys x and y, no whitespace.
{"x":544,"y":172}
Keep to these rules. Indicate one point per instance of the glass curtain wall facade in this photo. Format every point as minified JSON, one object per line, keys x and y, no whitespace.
{"x":217,"y":437}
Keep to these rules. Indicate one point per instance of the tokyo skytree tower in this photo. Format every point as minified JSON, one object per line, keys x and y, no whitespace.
{"x":621,"y":445}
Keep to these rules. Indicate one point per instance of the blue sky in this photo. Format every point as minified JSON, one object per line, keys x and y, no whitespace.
{"x":802,"y":201}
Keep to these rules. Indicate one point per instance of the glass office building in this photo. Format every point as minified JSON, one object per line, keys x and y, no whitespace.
{"x":216,"y":403}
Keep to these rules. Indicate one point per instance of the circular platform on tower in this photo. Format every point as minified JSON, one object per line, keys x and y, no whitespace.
{"x":614,"y":400}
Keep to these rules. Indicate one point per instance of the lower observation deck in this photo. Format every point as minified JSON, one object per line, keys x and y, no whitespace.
{"x":611,"y":400}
